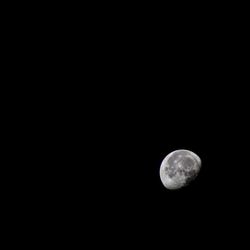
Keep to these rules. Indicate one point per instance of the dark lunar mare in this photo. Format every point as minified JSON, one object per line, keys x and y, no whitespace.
{"x":171,"y":171}
{"x":190,"y":175}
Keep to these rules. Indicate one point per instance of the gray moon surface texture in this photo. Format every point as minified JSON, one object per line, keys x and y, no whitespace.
{"x":179,"y":168}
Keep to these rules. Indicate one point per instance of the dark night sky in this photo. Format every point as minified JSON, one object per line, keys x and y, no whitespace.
{"x":139,"y":112}
{"x":101,"y":98}
{"x":133,"y":101}
{"x":138,"y":129}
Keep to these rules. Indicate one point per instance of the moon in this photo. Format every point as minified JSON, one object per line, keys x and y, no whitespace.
{"x":179,"y":168}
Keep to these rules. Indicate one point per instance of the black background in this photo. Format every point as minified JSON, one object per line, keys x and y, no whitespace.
{"x":112,"y":99}
{"x":157,"y":93}
{"x":138,"y":113}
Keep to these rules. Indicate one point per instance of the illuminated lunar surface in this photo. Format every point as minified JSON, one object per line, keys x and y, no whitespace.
{"x":179,"y":168}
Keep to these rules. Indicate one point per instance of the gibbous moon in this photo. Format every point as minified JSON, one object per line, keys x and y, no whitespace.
{"x":179,"y":168}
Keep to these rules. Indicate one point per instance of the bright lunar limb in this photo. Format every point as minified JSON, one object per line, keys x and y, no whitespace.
{"x":179,"y":168}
